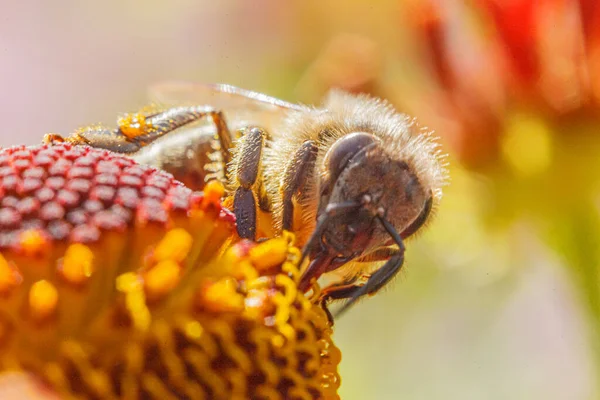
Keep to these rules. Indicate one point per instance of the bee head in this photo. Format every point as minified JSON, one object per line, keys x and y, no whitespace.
{"x":357,"y":168}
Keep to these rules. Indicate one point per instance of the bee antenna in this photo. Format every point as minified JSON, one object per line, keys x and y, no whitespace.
{"x":384,"y":274}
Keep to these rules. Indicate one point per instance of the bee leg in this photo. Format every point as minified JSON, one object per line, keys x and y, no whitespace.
{"x":336,"y":292}
{"x":339,"y":292}
{"x":264,"y":202}
{"x":380,"y":277}
{"x":244,"y":207}
{"x":296,"y":173}
{"x":98,"y":137}
{"x":328,"y":313}
{"x":139,"y":130}
{"x":247,"y":173}
{"x":172,"y":119}
{"x":348,"y":288}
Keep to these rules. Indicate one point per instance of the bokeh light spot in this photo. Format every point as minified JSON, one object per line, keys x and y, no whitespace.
{"x":527,"y":144}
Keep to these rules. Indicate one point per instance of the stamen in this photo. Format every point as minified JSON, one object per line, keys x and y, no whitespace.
{"x":161,"y":279}
{"x":43,"y":300}
{"x":269,"y":254}
{"x":77,"y":265}
{"x":174,"y":246}
{"x":221,"y":296}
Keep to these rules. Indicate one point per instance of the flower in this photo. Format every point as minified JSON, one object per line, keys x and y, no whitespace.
{"x":497,"y":65}
{"x":117,"y":281}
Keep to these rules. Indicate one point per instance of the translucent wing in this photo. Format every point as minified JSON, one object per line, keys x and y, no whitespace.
{"x":241,"y":107}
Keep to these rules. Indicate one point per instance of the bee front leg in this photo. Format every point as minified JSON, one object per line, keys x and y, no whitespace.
{"x":378,"y":279}
{"x":96,"y":136}
{"x":348,"y":289}
{"x":294,"y":179}
{"x":160,"y":124}
{"x":375,"y":282}
{"x":246,"y":172}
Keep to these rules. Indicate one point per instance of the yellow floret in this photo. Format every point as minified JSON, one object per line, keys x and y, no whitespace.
{"x":221,"y":296}
{"x":77,"y":265}
{"x":161,"y":279}
{"x":171,"y":322}
{"x":269,"y":254}
{"x":43,"y":299}
{"x":174,"y":246}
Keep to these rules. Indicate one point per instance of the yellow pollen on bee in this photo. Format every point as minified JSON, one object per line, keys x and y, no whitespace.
{"x":52,"y":138}
{"x":133,"y":125}
{"x":43,"y":300}
{"x":9,"y":276}
{"x":162,"y":278}
{"x":228,"y":202}
{"x":32,"y":242}
{"x":222,"y":296}
{"x":213,"y":191}
{"x":174,"y":246}
{"x":77,"y":265}
{"x":269,"y":254}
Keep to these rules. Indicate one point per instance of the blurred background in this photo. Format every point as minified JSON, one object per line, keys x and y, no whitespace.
{"x":500,"y":297}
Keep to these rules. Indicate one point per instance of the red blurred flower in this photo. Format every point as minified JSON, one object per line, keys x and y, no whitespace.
{"x":492,"y":56}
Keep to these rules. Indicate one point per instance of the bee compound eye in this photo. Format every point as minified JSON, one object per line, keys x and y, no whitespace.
{"x":345,"y":149}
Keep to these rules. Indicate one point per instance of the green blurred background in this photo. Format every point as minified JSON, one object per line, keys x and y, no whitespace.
{"x":500,"y":297}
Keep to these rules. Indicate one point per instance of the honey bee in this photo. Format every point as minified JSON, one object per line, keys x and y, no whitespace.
{"x":352,"y":179}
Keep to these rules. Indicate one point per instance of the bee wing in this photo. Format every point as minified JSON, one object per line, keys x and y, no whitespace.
{"x":241,"y":107}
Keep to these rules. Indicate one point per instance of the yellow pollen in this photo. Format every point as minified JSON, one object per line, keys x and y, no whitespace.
{"x":133,"y":125}
{"x":213,"y":191}
{"x":269,"y":254}
{"x":9,"y":276}
{"x":174,"y":246}
{"x":161,"y":279}
{"x":221,"y":296}
{"x":77,"y":265}
{"x":43,"y":299}
{"x":227,"y":202}
{"x":32,"y":242}
{"x":52,"y":137}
